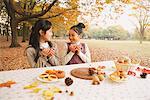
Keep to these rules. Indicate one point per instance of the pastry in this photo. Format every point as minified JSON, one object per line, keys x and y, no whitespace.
{"x":44,"y":75}
{"x":50,"y":71}
{"x":60,"y":74}
{"x":52,"y":77}
{"x":118,"y":75}
{"x":114,"y":77}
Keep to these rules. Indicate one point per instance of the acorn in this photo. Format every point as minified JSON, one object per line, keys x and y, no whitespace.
{"x":71,"y":93}
{"x":68,"y":81}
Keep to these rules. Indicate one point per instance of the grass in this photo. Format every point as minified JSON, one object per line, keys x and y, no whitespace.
{"x":132,"y":47}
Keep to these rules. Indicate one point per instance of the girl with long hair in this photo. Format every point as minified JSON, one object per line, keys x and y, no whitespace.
{"x":41,"y":51}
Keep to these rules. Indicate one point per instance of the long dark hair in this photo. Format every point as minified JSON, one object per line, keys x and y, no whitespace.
{"x":34,"y":41}
{"x":78,"y":28}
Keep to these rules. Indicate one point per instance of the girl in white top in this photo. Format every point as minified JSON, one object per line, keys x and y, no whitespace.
{"x":75,"y":51}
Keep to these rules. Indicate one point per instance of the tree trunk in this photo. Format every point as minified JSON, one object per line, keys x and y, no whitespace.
{"x":13,"y":23}
{"x":27,"y":33}
{"x":14,"y":42}
{"x":7,"y":34}
{"x":24,"y":33}
{"x":0,"y":30}
{"x":141,"y":39}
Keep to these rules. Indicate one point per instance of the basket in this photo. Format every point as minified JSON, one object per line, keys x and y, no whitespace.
{"x":123,"y":67}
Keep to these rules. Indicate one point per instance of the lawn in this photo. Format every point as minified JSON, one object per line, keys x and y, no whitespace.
{"x":132,"y":47}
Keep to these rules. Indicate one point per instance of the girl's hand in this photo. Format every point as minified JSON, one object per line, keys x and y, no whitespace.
{"x":78,"y":49}
{"x":51,"y":52}
{"x":72,"y":48}
{"x":45,"y":52}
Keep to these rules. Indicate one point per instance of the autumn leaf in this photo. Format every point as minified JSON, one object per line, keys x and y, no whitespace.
{"x":108,"y":1}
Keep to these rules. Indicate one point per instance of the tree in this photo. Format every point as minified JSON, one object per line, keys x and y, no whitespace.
{"x":18,"y":14}
{"x":24,"y":10}
{"x":5,"y":21}
{"x":142,"y":16}
{"x":118,"y":32}
{"x":67,"y":18}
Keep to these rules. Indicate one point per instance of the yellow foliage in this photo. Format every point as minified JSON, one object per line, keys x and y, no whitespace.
{"x":108,"y":1}
{"x":63,"y":22}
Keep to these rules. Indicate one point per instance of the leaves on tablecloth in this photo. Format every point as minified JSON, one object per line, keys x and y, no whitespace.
{"x":32,"y":85}
{"x":7,"y":84}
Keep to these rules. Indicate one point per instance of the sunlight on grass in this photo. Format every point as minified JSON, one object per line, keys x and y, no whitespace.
{"x":132,"y":47}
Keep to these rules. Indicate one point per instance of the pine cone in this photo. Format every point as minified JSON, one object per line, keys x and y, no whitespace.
{"x":68,"y":81}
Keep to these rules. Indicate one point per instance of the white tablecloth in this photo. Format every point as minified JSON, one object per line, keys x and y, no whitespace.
{"x":133,"y":89}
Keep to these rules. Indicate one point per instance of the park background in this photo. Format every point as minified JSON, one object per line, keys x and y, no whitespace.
{"x":114,"y":28}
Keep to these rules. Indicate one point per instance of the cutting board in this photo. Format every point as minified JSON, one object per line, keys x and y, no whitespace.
{"x":81,"y":73}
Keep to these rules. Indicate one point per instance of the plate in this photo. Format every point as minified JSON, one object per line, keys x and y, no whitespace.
{"x":117,"y":80}
{"x":46,"y":81}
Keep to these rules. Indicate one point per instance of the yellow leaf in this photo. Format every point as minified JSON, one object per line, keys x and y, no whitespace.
{"x":36,"y":90}
{"x":32,"y":85}
{"x":108,"y":1}
{"x":55,"y":89}
{"x":48,"y":93}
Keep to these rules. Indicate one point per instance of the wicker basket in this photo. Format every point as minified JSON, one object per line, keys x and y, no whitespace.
{"x":123,"y":67}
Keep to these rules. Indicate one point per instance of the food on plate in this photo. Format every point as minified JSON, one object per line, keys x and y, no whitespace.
{"x":131,"y":73}
{"x":44,"y":75}
{"x":97,"y":74}
{"x":113,"y":77}
{"x":7,"y":84}
{"x":143,"y":70}
{"x":52,"y":77}
{"x":95,"y":80}
{"x":118,"y":76}
{"x":47,"y":78}
{"x":95,"y":71}
{"x":68,"y":81}
{"x":101,"y":77}
{"x":50,"y":71}
{"x":92,"y":71}
{"x":58,"y":73}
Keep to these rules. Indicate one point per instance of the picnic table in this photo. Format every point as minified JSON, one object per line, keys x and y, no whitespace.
{"x":134,"y":88}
